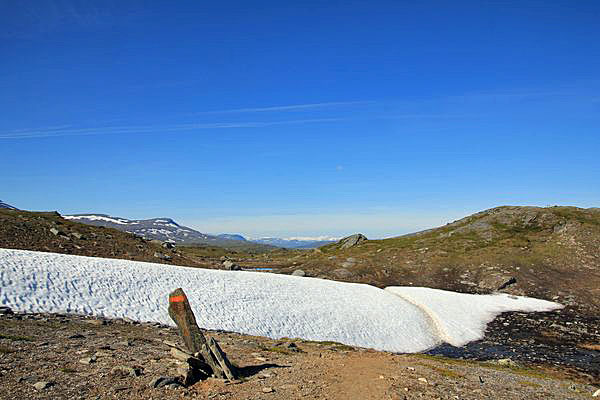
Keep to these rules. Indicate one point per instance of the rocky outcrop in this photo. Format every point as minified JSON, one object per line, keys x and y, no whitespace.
{"x":353,"y":240}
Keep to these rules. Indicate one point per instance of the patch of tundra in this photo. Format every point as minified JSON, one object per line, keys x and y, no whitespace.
{"x":247,"y":302}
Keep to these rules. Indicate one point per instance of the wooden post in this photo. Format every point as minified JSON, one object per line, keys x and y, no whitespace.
{"x":181,"y":312}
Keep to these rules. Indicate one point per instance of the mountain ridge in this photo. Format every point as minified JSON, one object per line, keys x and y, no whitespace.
{"x":164,"y":229}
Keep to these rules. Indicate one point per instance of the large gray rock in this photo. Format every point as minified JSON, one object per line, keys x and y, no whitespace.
{"x":353,"y":240}
{"x":298,"y":272}
{"x":231,"y":266}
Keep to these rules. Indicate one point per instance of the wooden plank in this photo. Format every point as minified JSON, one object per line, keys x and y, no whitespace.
{"x":228,"y":369}
{"x":181,"y":313}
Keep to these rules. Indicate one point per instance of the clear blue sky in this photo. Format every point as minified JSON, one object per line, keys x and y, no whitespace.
{"x":299,"y":118}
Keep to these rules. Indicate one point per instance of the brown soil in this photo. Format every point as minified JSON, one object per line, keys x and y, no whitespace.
{"x":49,"y":348}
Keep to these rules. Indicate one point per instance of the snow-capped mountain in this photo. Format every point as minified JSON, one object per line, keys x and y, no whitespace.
{"x":4,"y":205}
{"x":164,"y":229}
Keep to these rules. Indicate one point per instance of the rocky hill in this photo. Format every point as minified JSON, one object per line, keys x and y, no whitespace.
{"x":48,"y":231}
{"x":551,"y":252}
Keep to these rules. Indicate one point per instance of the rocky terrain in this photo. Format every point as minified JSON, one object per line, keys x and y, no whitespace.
{"x":550,"y":253}
{"x":73,"y":357}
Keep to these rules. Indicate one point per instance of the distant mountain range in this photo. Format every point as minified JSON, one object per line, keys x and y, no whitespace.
{"x":4,"y":205}
{"x":295,"y":243}
{"x":167,"y":230}
{"x":291,"y":243}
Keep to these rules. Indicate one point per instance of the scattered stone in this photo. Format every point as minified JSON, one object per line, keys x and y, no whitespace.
{"x":298,"y":272}
{"x":511,"y":281}
{"x":162,"y":381}
{"x":231,"y":266}
{"x":496,"y":281}
{"x":88,"y":360}
{"x":596,"y":393}
{"x":124,"y":370}
{"x":42,"y":385}
{"x":422,"y":380}
{"x":78,"y":235}
{"x":268,"y":389}
{"x":353,"y":240}
{"x":29,"y":379}
{"x":342,"y":273}
{"x":168,"y":245}
{"x":76,"y":336}
{"x":292,"y":347}
{"x":162,"y":256}
{"x":102,"y":353}
{"x":54,"y":231}
{"x":507,"y":362}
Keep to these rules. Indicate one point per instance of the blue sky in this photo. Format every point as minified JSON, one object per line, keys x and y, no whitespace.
{"x":299,"y":118}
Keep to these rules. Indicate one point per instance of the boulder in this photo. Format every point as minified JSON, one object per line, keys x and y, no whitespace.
{"x":162,"y":381}
{"x":231,"y":266}
{"x":298,"y":272}
{"x":353,"y":240}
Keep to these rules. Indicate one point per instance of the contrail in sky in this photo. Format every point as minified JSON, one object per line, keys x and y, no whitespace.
{"x":57,"y":131}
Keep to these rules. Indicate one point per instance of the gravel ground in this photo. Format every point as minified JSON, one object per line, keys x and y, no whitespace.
{"x":85,"y":358}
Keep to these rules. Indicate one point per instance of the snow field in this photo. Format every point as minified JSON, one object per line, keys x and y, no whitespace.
{"x":397,"y":319}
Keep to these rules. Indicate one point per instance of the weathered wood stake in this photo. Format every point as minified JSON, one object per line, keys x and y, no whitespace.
{"x":181,"y":313}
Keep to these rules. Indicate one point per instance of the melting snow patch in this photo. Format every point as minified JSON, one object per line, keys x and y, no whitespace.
{"x":249,"y":302}
{"x":461,"y":318}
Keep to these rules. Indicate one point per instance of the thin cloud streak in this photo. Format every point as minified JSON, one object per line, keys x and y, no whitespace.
{"x":293,"y":107}
{"x":56,"y":132}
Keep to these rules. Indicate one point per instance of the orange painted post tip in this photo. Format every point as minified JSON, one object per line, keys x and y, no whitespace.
{"x":176,"y":299}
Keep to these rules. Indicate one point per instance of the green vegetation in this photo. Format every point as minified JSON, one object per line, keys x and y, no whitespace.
{"x":445,"y":372}
{"x":16,"y":337}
